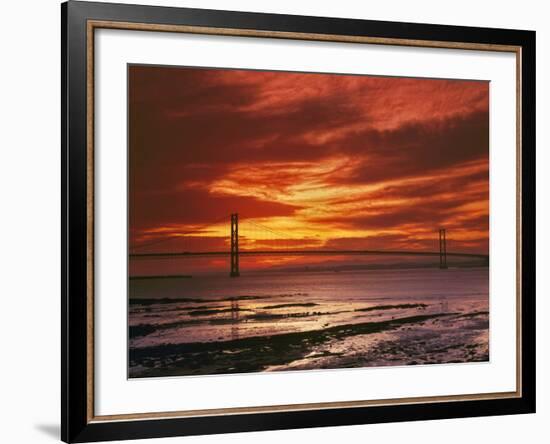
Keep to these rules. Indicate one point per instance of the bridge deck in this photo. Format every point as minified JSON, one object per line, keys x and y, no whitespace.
{"x":304,"y":253}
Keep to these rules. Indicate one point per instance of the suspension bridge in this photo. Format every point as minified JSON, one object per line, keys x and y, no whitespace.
{"x":278,"y":245}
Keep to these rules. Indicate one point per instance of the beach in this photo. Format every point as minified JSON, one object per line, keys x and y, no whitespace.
{"x":213,"y":324}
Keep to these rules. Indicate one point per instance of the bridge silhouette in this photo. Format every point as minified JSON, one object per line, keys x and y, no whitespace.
{"x":235,"y":252}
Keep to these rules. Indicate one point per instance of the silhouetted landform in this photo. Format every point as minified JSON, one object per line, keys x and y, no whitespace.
{"x":275,"y":316}
{"x":393,"y":266}
{"x":196,"y":307}
{"x":307,"y":304}
{"x":146,"y":329}
{"x":472,"y":315}
{"x":150,"y":301}
{"x":162,"y":276}
{"x":214,"y":311}
{"x":390,"y":307}
{"x":147,"y":308}
{"x":135,"y":331}
{"x":206,"y":311}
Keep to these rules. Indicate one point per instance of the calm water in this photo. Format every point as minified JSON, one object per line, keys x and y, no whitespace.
{"x":424,"y":315}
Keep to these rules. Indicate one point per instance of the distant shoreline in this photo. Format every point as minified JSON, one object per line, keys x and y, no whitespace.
{"x":162,"y":276}
{"x":312,"y":270}
{"x":395,"y":266}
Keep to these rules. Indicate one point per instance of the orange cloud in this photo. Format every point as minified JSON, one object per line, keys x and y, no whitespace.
{"x":317,"y":160}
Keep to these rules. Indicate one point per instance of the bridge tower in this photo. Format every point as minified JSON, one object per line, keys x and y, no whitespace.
{"x":442,"y":249}
{"x":234,"y":245}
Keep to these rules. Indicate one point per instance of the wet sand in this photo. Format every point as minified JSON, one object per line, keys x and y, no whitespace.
{"x":421,"y":339}
{"x":346,"y":320}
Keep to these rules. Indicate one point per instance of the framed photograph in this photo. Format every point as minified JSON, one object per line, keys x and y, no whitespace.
{"x":275,"y":221}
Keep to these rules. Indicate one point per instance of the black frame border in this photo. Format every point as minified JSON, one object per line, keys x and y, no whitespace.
{"x":75,"y":425}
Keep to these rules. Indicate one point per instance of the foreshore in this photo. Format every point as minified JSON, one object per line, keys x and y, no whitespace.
{"x":403,"y":341}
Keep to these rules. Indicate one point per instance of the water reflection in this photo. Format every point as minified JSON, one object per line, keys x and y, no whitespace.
{"x":234,"y":318}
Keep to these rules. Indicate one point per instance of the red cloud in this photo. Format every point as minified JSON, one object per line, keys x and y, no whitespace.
{"x":407,"y":155}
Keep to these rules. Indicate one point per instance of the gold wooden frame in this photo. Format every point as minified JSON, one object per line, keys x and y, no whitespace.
{"x":92,"y":25}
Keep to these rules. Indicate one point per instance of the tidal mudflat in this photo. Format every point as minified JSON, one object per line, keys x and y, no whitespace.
{"x":298,"y":321}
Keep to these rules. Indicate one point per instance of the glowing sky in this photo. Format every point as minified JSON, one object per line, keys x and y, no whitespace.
{"x":331,"y":160}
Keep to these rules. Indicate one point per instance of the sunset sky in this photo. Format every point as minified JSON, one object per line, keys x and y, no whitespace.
{"x":323,"y":160}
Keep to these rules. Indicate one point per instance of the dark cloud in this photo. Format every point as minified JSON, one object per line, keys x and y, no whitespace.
{"x":428,"y":212}
{"x":189,"y":118}
{"x":197,"y":207}
{"x":190,"y":128}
